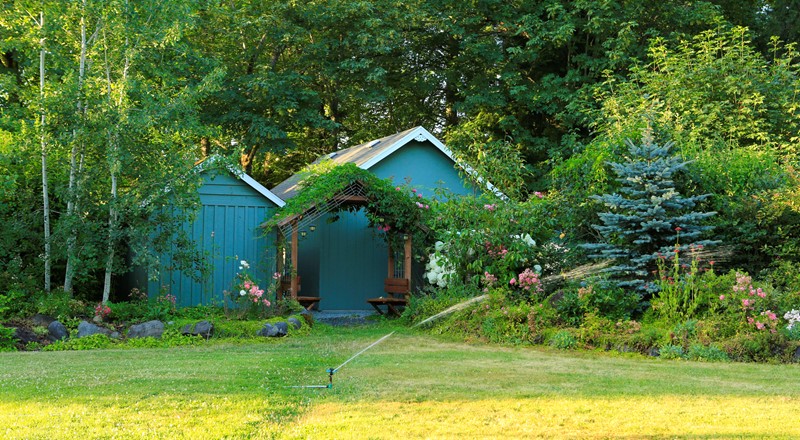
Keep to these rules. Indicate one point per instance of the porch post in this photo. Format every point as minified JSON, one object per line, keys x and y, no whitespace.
{"x":294,"y":286}
{"x":280,"y":258}
{"x":390,"y":273}
{"x":407,"y":260}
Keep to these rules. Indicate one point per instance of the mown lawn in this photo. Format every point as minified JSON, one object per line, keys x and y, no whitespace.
{"x":410,"y":386}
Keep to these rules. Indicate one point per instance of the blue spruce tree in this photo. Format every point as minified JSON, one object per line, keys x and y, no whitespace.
{"x":647,"y":215}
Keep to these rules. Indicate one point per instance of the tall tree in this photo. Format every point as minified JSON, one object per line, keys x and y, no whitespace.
{"x":45,"y":181}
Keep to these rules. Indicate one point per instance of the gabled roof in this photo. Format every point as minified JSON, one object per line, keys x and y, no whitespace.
{"x":244,"y":177}
{"x":366,"y":155}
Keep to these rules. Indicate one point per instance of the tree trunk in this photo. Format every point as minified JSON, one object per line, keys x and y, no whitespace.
{"x":205,"y":147}
{"x":45,"y":192}
{"x":114,"y":166}
{"x":75,"y":168}
{"x":247,"y":159}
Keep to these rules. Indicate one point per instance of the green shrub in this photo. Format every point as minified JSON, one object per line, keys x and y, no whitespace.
{"x":711,"y":353}
{"x":200,"y":311}
{"x":92,"y":342}
{"x":61,"y":305}
{"x":669,"y":351}
{"x":792,"y":334}
{"x":229,"y":328}
{"x":134,"y":311}
{"x":646,"y":339}
{"x":15,"y":304}
{"x":598,"y":331}
{"x":605,"y":299}
{"x":569,"y":307}
{"x":564,"y":340}
{"x":171,"y":337}
{"x":541,"y":317}
{"x":758,"y":347}
{"x":7,"y":339}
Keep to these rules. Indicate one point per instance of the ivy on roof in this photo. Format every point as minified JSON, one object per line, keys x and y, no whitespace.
{"x":388,"y":207}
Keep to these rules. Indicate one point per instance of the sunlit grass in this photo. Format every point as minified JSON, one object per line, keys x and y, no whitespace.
{"x":410,"y":386}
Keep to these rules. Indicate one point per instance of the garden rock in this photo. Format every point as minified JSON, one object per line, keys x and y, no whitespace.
{"x":654,"y":352}
{"x":40,"y":320}
{"x":268,"y":331}
{"x":154,"y":329}
{"x":294,"y":322}
{"x":282,"y":327}
{"x":86,"y":328}
{"x":57,"y":331}
{"x":202,"y":328}
{"x":24,"y":335}
{"x":796,"y":356}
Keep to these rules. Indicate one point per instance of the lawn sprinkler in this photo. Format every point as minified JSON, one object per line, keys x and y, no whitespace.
{"x":332,"y":371}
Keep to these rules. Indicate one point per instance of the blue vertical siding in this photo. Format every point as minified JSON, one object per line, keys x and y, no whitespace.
{"x":424,"y":166}
{"x":227,"y":230}
{"x":353,"y":263}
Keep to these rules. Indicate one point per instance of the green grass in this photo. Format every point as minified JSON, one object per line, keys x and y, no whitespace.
{"x":410,"y":386}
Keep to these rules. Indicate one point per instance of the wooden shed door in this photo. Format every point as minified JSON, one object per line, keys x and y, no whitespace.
{"x":353,"y":261}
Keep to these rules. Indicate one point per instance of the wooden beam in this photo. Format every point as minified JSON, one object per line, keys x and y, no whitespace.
{"x":295,"y":243}
{"x":280,"y":257}
{"x":390,"y":273}
{"x":407,"y":260}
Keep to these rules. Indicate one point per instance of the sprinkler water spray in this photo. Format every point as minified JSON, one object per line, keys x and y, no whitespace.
{"x":332,"y":371}
{"x":575,"y":273}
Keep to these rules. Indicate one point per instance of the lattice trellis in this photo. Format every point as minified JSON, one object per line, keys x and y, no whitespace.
{"x":354,"y":190}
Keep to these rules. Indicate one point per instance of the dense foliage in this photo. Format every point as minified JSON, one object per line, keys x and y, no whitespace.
{"x":105,"y":107}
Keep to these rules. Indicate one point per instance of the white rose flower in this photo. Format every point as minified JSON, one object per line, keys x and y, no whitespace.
{"x":242,"y":293}
{"x":438,"y":246}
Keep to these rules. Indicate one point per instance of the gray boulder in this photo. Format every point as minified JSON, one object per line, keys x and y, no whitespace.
{"x":294,"y":322}
{"x":24,"y":335}
{"x":202,"y":328}
{"x":153,"y":329}
{"x":86,"y":328}
{"x":39,"y":320}
{"x":282,"y":328}
{"x":57,"y":331}
{"x":796,"y":356}
{"x":268,"y":331}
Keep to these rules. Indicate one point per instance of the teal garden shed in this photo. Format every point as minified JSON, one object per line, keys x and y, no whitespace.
{"x":343,"y":262}
{"x":226,"y":230}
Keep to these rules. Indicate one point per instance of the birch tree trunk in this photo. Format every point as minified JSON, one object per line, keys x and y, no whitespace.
{"x":75,"y":166}
{"x":113,"y":165}
{"x":45,"y":192}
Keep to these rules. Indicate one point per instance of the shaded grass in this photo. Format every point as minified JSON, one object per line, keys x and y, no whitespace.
{"x":410,"y":386}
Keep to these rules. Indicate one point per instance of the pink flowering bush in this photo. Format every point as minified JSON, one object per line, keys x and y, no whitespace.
{"x":247,"y":296}
{"x":748,"y":305}
{"x":102,"y":311}
{"x":487,"y":234}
